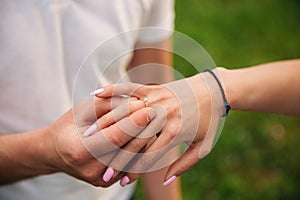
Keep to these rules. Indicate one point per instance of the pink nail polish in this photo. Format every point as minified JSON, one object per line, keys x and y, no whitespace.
{"x":90,"y":130}
{"x":170,"y":180}
{"x":124,"y":181}
{"x":151,"y":115}
{"x":108,"y":174}
{"x":98,"y":91}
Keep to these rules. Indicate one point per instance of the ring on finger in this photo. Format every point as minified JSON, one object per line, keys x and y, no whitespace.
{"x":146,"y":102}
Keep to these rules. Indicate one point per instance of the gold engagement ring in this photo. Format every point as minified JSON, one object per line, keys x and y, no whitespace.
{"x":145,"y":100}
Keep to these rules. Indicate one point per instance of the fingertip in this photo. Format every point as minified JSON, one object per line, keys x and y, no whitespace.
{"x":124,"y":181}
{"x":171,"y":172}
{"x":90,"y":131}
{"x":97,"y":92}
{"x":185,"y":162}
{"x":151,"y":114}
{"x":132,"y":177}
{"x":143,"y":116}
{"x":169,"y":180}
{"x":102,"y":92}
{"x":108,"y":174}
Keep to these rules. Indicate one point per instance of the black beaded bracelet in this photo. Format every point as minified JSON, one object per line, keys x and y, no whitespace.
{"x":227,"y":106}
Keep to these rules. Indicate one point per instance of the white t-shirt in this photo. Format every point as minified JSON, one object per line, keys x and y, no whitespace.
{"x":42,"y":44}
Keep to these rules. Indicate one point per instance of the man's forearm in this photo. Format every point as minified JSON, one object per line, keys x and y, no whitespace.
{"x":23,"y":156}
{"x":152,"y":65}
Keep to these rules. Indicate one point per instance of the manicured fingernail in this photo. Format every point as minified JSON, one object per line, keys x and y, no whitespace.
{"x":170,"y":180}
{"x":124,"y":181}
{"x":108,"y":174}
{"x":98,"y":91}
{"x":90,"y":130}
{"x":151,"y":115}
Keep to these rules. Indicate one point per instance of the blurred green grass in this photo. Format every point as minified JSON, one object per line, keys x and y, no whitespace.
{"x":257,"y":156}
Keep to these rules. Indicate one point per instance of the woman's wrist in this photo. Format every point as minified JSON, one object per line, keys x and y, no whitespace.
{"x":209,"y":88}
{"x":230,"y":86}
{"x":201,"y":92}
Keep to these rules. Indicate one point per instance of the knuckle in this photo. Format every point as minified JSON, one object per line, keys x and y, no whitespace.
{"x":117,"y":162}
{"x":77,"y":157}
{"x":183,"y":167}
{"x":147,"y":161}
{"x":103,"y":121}
{"x":90,"y":174}
{"x":137,"y":144}
{"x":141,"y":122}
{"x":173,"y":133}
{"x":204,"y":153}
{"x":73,"y":156}
{"x":115,"y":140}
{"x":155,"y":88}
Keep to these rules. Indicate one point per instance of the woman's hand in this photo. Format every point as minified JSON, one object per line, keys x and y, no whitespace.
{"x":187,"y":110}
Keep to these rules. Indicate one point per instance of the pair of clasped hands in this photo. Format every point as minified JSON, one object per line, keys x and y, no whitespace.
{"x":128,"y":129}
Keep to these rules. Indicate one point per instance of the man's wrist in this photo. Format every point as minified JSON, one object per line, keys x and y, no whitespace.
{"x":40,"y":151}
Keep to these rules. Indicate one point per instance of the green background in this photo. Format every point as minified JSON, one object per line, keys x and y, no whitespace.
{"x":257,"y":155}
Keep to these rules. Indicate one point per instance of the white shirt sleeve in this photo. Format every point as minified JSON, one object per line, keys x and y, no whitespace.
{"x":158,"y":22}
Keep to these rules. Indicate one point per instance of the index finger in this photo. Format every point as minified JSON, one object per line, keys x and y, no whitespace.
{"x":118,"y":134}
{"x":130,"y":89}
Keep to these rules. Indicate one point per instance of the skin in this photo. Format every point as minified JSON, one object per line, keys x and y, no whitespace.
{"x":52,"y":151}
{"x":49,"y":149}
{"x":269,"y":88}
{"x":142,"y":70}
{"x":276,"y":82}
{"x":150,"y":64}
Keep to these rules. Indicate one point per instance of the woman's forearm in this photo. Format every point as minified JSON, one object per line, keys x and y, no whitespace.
{"x":271,"y":88}
{"x":194,"y":106}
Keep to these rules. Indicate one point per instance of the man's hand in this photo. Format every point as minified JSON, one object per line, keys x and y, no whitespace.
{"x":62,"y":147}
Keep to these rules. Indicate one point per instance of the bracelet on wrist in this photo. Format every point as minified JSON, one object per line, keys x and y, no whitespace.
{"x":227,"y":106}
